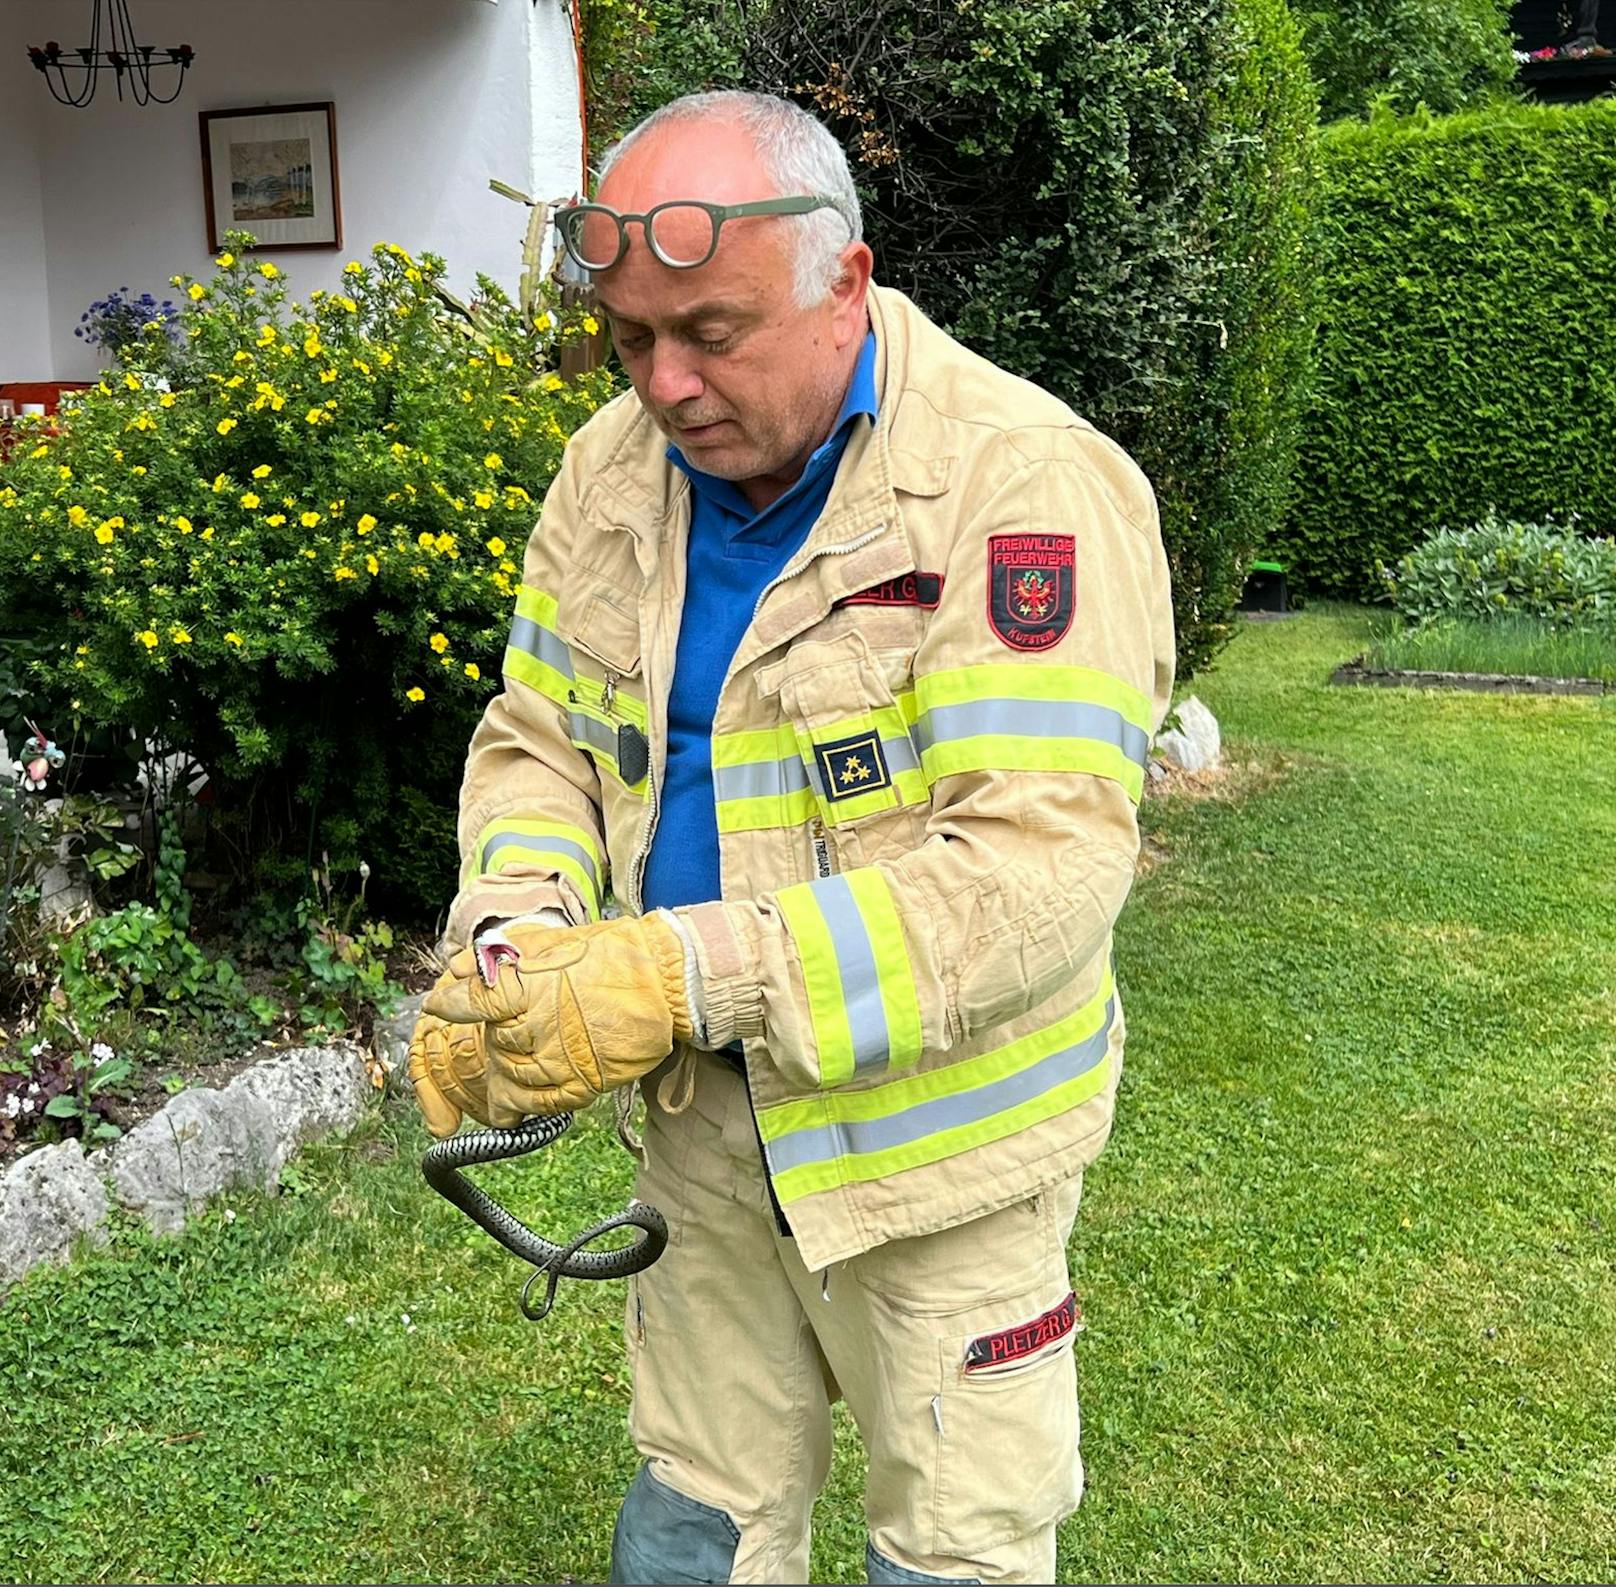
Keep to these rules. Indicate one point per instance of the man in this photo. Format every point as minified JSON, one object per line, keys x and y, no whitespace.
{"x":838,"y":652}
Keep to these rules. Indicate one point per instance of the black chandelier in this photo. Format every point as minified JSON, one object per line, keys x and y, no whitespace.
{"x":72,"y":75}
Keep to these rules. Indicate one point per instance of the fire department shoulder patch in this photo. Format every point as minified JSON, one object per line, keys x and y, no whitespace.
{"x":1031,"y":588}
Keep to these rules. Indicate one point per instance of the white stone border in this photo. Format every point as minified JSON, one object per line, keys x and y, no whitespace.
{"x":199,"y":1143}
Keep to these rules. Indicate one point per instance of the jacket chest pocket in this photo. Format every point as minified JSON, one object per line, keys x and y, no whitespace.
{"x":849,"y":711}
{"x":606,"y":695}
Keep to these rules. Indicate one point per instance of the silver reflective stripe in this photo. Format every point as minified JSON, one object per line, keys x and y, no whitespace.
{"x":760,"y":778}
{"x":586,"y":730}
{"x":540,"y":845}
{"x":1032,"y":719}
{"x":827,"y":1142}
{"x":861,"y":981}
{"x":538,"y":641}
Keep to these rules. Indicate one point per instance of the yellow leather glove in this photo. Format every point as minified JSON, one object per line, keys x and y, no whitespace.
{"x":576,"y":1013}
{"x":449,"y":1069}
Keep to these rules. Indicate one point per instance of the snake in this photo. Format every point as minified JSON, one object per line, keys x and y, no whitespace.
{"x":442,"y":1167}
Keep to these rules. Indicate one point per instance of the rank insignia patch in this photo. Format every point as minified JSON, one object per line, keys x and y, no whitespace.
{"x":1031,"y":588}
{"x":850,"y":766}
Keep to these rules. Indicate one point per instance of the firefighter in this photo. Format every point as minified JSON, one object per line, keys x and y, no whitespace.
{"x":807,"y":809}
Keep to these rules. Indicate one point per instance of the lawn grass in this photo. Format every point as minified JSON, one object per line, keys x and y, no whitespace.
{"x":1347,"y":1265}
{"x":1519,"y":646}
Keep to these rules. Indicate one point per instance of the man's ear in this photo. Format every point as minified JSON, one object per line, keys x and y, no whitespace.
{"x":849,"y":319}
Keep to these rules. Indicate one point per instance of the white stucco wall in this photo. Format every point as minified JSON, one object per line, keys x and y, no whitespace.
{"x":433,"y":98}
{"x":24,"y":294}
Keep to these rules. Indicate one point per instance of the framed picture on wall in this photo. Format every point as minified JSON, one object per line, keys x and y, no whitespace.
{"x":272,"y":170}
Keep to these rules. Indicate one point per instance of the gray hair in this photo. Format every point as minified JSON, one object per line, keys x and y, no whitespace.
{"x":801,"y":156}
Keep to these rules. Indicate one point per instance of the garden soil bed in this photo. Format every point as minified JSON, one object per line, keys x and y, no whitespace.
{"x":1355,"y":672}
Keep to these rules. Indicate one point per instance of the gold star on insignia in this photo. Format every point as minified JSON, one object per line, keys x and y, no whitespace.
{"x":854,"y":770}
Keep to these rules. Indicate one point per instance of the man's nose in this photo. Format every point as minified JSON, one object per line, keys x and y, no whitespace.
{"x":674,"y":377}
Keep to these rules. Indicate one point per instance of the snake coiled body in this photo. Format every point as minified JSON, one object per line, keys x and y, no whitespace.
{"x":442,"y":1165}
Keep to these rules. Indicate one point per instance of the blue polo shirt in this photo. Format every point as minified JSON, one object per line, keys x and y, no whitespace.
{"x":734,"y":553}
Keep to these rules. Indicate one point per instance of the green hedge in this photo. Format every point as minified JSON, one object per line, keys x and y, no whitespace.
{"x":1107,"y":196}
{"x":1445,"y":54}
{"x":1467,"y":349}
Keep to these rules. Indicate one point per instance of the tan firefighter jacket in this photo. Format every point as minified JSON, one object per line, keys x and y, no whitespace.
{"x":927,"y":757}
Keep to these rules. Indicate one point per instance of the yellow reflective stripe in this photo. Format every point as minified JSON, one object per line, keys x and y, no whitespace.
{"x":535,"y":603}
{"x":550,"y":860}
{"x":1031,"y":681}
{"x":856,"y":972}
{"x":907,"y":788}
{"x":838,"y":1138}
{"x":894,"y":975}
{"x":625,"y":706}
{"x":545,"y":845}
{"x":822,"y":981}
{"x":1003,"y":752}
{"x":891,"y":721}
{"x":762,"y":812}
{"x":757,"y":744}
{"x":536,"y":674}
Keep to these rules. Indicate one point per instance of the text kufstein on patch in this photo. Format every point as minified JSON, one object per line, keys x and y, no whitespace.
{"x":1032,"y":588}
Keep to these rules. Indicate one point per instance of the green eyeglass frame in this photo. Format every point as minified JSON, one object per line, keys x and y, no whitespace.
{"x":570,"y":224}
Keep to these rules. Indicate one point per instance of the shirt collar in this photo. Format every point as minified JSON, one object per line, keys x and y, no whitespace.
{"x":861,"y":399}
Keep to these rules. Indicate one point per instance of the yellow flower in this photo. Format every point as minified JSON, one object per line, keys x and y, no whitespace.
{"x":384,"y":358}
{"x":275,"y":519}
{"x":591,"y":325}
{"x":344,"y":573}
{"x":197,"y":291}
{"x":361,"y":366}
{"x":225,"y":426}
{"x":232,"y":638}
{"x":77,"y":516}
{"x":484,"y":499}
{"x":242,"y":356}
{"x":424,"y":540}
{"x":83,"y":650}
{"x":179,"y":636}
{"x":439,"y":642}
{"x":309,"y":519}
{"x":312,"y":346}
{"x":314,"y":415}
{"x":445,"y":661}
{"x":445,"y":544}
{"x":207,"y":534}
{"x":412,"y":274}
{"x":139,"y":468}
{"x":183,"y":525}
{"x":225,"y":260}
{"x":263,"y":471}
{"x":277,"y":403}
{"x":416,"y":695}
{"x":327,"y":376}
{"x":353,"y":268}
{"x":266,"y":338}
{"x":148,"y":638}
{"x":131,"y":382}
{"x":249,"y":499}
{"x":104,"y":534}
{"x":365,"y":524}
{"x":502,"y":358}
{"x":398,"y":449}
{"x":167,"y":400}
{"x":372,"y":565}
{"x":218,"y":483}
{"x":473,"y":671}
{"x":496,"y":547}
{"x":268,"y":271}
{"x":144,"y":421}
{"x":493,"y":460}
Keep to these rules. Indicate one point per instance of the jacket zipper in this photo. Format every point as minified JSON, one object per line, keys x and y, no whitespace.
{"x":794,"y":568}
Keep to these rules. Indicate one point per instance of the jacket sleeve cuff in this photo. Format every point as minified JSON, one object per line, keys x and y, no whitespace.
{"x":731,"y":990}
{"x":475,"y":907}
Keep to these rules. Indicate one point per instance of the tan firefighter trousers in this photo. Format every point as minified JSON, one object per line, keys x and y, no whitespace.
{"x":953,"y":1351}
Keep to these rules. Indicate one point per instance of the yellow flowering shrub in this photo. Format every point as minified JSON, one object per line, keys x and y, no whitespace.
{"x":286,"y":559}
